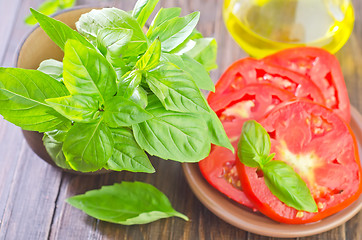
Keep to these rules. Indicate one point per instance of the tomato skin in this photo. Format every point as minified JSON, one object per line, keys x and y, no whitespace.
{"x":219,"y":167}
{"x":213,"y":169}
{"x":322,"y":68}
{"x":250,"y":71}
{"x":334,"y":184}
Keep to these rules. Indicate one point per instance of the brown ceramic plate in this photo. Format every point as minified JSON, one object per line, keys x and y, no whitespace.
{"x":247,"y":220}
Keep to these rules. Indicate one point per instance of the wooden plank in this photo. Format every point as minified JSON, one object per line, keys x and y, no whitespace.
{"x":353,"y":228}
{"x":30,"y":205}
{"x":8,"y":10}
{"x":11,"y":141}
{"x":19,"y":31}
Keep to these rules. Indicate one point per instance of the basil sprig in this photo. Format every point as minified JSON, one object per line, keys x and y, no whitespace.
{"x":118,"y":94}
{"x":281,"y":179}
{"x":114,"y":76}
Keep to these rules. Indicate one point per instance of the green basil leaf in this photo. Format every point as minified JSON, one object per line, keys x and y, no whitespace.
{"x":47,"y":7}
{"x":288,"y":186}
{"x":127,"y":154}
{"x":188,"y":44}
{"x":254,"y":144}
{"x":163,"y":15}
{"x":216,"y":131}
{"x":113,"y":41}
{"x":171,"y":135}
{"x":174,"y":31}
{"x":87,"y":72}
{"x":53,"y":68}
{"x":128,"y":83}
{"x":59,"y":32}
{"x":120,"y":111}
{"x":22,"y":97}
{"x":176,"y":89}
{"x":90,"y":23}
{"x":77,"y":108}
{"x":143,"y":9}
{"x":195,"y":69}
{"x":151,"y":58}
{"x":66,"y":3}
{"x":88,"y":146}
{"x":139,"y":97}
{"x":112,"y":204}
{"x":53,"y":143}
{"x":205,"y":52}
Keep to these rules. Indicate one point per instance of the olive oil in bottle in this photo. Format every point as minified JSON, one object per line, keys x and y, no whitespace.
{"x":262,"y":27}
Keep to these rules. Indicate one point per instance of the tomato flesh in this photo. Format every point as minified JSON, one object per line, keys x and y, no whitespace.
{"x":321,"y":148}
{"x":323,"y":69}
{"x":249,"y":71}
{"x":251,"y":102}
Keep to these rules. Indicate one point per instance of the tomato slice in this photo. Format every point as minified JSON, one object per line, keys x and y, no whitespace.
{"x":323,"y":69}
{"x":321,"y":148}
{"x":251,"y":102}
{"x":249,"y":71}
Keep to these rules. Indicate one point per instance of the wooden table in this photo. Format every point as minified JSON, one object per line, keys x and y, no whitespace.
{"x":33,"y":193}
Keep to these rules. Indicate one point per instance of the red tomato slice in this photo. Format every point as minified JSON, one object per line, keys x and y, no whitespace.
{"x":251,"y":102}
{"x":249,"y":71}
{"x":323,"y":69}
{"x":321,"y":148}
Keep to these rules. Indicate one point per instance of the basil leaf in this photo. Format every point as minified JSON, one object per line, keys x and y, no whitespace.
{"x":119,"y":112}
{"x":188,"y":44}
{"x":127,"y":154}
{"x":254,"y":144}
{"x":66,"y":3}
{"x":77,"y":108}
{"x":53,"y":68}
{"x":173,"y":32}
{"x":112,"y":41}
{"x":143,"y":9}
{"x":88,"y":146}
{"x":288,"y":186}
{"x":176,"y":89}
{"x":151,"y":58}
{"x":195,"y":69}
{"x":58,"y":31}
{"x":47,"y":7}
{"x":171,"y":135}
{"x":129,"y":82}
{"x":163,"y":15}
{"x":88,"y":72}
{"x":90,"y":23}
{"x":205,"y":52}
{"x":112,"y":204}
{"x":53,"y":143}
{"x":22,"y":97}
{"x":216,"y":131}
{"x":139,"y":97}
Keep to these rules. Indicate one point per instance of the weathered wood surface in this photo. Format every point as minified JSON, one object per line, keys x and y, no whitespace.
{"x":32,"y":193}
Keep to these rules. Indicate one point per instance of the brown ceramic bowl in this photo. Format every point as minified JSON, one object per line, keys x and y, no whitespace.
{"x":36,"y":48}
{"x":245,"y":219}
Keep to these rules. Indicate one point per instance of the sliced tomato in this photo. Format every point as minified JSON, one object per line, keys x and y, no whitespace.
{"x":251,"y":102}
{"x":321,"y":148}
{"x":249,"y":71}
{"x":323,"y":69}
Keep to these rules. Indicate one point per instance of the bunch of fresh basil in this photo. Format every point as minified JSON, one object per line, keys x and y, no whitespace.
{"x":119,"y":92}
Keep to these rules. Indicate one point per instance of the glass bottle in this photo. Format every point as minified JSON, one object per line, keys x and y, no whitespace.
{"x":262,"y":27}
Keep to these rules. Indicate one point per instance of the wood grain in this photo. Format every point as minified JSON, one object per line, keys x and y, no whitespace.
{"x":32,"y":193}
